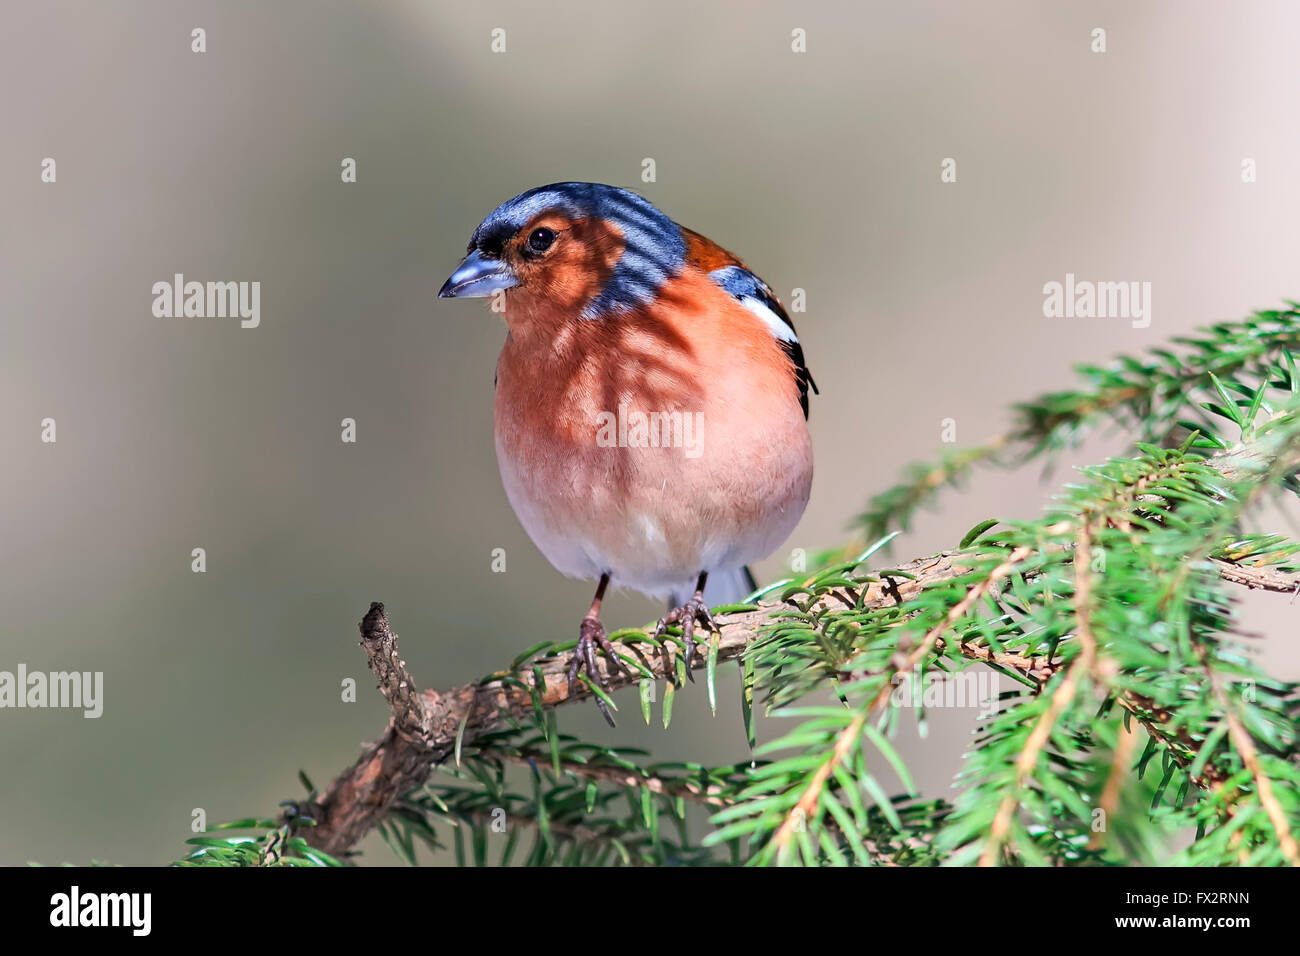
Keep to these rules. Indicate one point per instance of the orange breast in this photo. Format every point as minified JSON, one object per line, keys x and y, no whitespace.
{"x":732,"y":474}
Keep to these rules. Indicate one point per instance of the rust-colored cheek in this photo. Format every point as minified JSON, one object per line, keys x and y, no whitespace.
{"x":582,"y":263}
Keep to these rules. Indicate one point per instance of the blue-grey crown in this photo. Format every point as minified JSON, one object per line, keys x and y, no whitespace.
{"x":653,"y":245}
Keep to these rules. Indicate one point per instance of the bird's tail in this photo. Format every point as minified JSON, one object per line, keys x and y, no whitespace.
{"x":722,"y":587}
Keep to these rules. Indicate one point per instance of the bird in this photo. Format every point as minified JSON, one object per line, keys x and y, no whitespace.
{"x":651,"y":403}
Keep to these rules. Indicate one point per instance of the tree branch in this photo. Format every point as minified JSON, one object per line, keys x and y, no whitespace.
{"x":1265,"y":578}
{"x":686,"y":787}
{"x":425,"y":725}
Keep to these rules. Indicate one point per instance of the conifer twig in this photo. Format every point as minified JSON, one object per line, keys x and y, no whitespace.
{"x":425,"y":725}
{"x":1059,"y":702}
{"x":848,"y":739}
{"x":1245,"y":745}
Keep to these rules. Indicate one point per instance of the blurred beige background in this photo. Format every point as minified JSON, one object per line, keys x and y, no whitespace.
{"x":820,"y":169}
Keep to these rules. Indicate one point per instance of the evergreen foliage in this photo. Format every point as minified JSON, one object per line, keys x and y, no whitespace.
{"x":1139,"y":730}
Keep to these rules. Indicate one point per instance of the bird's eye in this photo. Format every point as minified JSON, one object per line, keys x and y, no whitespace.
{"x":540,"y":240}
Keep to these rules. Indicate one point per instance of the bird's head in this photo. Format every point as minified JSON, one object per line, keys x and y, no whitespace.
{"x":576,"y":249}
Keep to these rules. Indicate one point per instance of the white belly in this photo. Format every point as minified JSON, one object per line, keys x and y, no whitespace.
{"x":654,"y":519}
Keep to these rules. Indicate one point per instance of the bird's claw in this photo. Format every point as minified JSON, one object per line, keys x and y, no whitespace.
{"x":693,"y":611}
{"x":591,"y":636}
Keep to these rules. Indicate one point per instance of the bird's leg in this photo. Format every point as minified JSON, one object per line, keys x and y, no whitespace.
{"x":591,"y":635}
{"x":687,"y":615}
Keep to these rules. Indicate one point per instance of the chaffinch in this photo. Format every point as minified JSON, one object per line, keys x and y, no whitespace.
{"x":651,"y":401}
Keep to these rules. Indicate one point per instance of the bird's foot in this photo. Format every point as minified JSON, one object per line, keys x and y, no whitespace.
{"x":592,"y":637}
{"x":688,"y":615}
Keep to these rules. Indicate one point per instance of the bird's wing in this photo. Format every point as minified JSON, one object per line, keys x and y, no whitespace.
{"x":755,"y":295}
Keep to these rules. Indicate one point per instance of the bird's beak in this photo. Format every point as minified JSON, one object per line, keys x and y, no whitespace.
{"x":477,"y":277}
